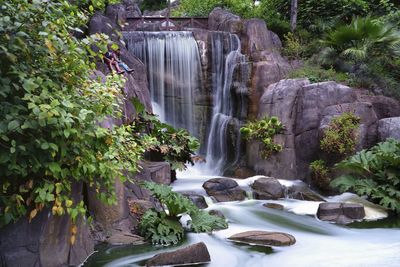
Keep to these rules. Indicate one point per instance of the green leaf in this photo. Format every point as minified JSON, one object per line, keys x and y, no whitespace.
{"x":13,"y":125}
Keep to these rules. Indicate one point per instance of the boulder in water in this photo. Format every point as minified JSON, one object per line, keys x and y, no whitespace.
{"x":274,"y":206}
{"x":341,"y":213}
{"x":224,"y":189}
{"x":267,"y":188}
{"x":264,"y":238}
{"x":193,"y":254}
{"x":197,"y":199}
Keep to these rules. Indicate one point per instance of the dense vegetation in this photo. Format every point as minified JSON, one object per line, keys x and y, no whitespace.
{"x":163,"y":227}
{"x":264,"y":130}
{"x":51,"y":106}
{"x":375,"y":173}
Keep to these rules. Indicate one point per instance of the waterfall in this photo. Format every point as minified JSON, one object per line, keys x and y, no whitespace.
{"x":174,"y":73}
{"x":225,"y":122}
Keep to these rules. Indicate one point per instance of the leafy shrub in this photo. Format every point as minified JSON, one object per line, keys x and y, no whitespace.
{"x":175,"y":146}
{"x":316,"y":74}
{"x":320,"y":174}
{"x":163,"y":227}
{"x":340,"y":136}
{"x":264,"y":130}
{"x":375,"y":173}
{"x":50,"y":109}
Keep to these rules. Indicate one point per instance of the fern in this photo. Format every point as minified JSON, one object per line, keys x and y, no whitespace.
{"x":163,"y":227}
{"x":375,"y":173}
{"x":204,"y":222}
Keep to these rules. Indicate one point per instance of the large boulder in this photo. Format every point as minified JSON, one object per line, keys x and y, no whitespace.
{"x":193,"y":254}
{"x":222,"y":20}
{"x":45,"y":240}
{"x":263,"y":238}
{"x":389,"y":128}
{"x":224,"y":189}
{"x":267,"y":188}
{"x":341,"y":213}
{"x":197,"y":199}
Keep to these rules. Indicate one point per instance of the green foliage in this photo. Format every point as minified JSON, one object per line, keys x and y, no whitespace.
{"x":318,"y":74}
{"x":243,"y":8}
{"x":174,"y":146}
{"x":293,"y":47}
{"x":50,"y":109}
{"x":163,"y":227}
{"x":153,"y":5}
{"x":320,"y":174}
{"x":375,"y":173}
{"x":264,"y":130}
{"x":340,"y":136}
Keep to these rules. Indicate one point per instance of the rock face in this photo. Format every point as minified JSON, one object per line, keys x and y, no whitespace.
{"x":45,"y":240}
{"x":264,"y":238}
{"x":267,"y":188}
{"x":224,"y":189}
{"x":341,"y":213}
{"x":389,"y":128}
{"x":193,"y":254}
{"x":305,"y":109}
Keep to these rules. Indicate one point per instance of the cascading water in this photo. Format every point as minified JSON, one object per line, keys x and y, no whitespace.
{"x":225,"y":123}
{"x":174,"y":73}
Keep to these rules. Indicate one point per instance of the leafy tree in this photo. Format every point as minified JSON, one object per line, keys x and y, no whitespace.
{"x":375,"y":173}
{"x":50,"y":111}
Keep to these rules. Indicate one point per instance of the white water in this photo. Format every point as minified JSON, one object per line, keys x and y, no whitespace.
{"x":223,"y":67}
{"x":174,"y":73}
{"x":318,"y":243}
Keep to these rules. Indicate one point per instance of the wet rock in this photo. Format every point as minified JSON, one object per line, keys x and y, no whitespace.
{"x":267,"y":188}
{"x":264,"y":238}
{"x":124,"y":238}
{"x":302,"y":192}
{"x":197,"y":199}
{"x":274,"y":206}
{"x":217,"y":213}
{"x":389,"y":128}
{"x":193,"y":254}
{"x":224,"y":189}
{"x":341,"y":213}
{"x":243,"y":172}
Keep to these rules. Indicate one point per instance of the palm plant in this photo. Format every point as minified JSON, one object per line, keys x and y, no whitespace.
{"x":363,"y":41}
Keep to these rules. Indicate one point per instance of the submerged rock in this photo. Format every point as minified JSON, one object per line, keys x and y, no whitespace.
{"x":267,"y":188}
{"x":264,"y":238}
{"x":274,"y":206}
{"x":341,"y":213}
{"x":224,"y":189}
{"x":193,"y":254}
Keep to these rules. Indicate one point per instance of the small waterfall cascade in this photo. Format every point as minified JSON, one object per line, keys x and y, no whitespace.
{"x":174,"y":73}
{"x":227,"y":107}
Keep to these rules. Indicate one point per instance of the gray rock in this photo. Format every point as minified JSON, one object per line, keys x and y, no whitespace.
{"x":124,"y":238}
{"x":193,"y":254}
{"x":264,"y":238}
{"x":267,"y":188}
{"x":217,"y":213}
{"x":389,"y":128}
{"x":302,"y":192}
{"x":224,"y":189}
{"x":341,"y":213}
{"x":274,"y":206}
{"x":197,"y":199}
{"x":222,"y":20}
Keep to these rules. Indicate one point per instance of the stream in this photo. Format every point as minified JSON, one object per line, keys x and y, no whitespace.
{"x":372,"y":243}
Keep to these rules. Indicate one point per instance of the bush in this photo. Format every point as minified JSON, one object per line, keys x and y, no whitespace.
{"x":50,"y":108}
{"x":340,"y":136}
{"x":320,"y":174}
{"x":316,"y":74}
{"x":163,"y":227}
{"x":264,"y":130}
{"x":375,"y":173}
